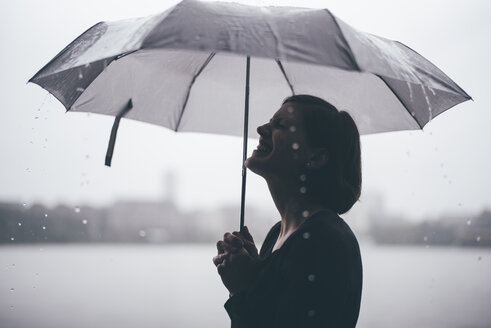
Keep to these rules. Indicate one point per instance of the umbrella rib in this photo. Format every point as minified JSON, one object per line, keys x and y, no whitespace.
{"x":285,"y":76}
{"x":190,"y":86}
{"x":349,"y":52}
{"x":400,"y":100}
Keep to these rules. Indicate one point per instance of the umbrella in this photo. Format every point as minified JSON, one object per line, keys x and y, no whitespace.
{"x":187,"y":68}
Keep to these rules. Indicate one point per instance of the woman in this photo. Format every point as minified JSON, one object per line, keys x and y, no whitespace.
{"x":308,"y":272}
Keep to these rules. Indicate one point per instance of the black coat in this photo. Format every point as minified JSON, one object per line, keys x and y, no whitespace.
{"x":313,"y":280}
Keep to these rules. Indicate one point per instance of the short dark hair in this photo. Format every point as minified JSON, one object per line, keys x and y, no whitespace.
{"x":338,"y":184}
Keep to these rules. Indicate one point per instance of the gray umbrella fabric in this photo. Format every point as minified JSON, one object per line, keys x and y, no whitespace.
{"x":184,"y":69}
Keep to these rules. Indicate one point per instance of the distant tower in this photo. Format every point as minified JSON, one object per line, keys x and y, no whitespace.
{"x":170,"y":187}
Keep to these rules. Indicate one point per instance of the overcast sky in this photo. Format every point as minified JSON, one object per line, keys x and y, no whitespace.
{"x":50,"y":156}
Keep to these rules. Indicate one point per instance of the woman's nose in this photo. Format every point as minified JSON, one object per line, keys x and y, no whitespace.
{"x":263,"y":130}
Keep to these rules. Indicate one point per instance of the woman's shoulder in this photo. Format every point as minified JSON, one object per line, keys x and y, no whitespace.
{"x":327,"y":233}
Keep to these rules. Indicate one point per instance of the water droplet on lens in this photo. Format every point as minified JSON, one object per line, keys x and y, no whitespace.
{"x":306,"y":235}
{"x":293,"y":128}
{"x":303,"y":190}
{"x":469,"y":222}
{"x":12,"y":289}
{"x":77,"y":209}
{"x":24,"y":204}
{"x":142,"y":233}
{"x":12,"y":238}
{"x":303,"y":177}
{"x":295,"y":146}
{"x":311,"y":277}
{"x":84,"y":221}
{"x":45,"y":215}
{"x":305,"y":214}
{"x":80,"y":75}
{"x":44,"y":228}
{"x":478,"y":238}
{"x":19,"y":224}
{"x":425,"y":238}
{"x":80,"y":89}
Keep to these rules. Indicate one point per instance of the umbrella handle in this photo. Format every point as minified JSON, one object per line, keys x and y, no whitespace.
{"x":244,"y":147}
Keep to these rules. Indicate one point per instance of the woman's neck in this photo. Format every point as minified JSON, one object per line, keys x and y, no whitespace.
{"x":293,"y":204}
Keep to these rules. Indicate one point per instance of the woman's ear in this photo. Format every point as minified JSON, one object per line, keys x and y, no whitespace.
{"x":318,"y":159}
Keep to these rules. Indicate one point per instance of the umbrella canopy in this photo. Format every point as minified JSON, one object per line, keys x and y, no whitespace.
{"x":184,"y":69}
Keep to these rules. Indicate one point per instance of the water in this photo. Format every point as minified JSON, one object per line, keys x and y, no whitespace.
{"x":177,"y":286}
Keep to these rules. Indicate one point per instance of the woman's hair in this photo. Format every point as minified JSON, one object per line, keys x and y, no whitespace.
{"x":338,"y":183}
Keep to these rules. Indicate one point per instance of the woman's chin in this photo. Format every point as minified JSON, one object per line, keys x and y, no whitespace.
{"x":256,"y":162}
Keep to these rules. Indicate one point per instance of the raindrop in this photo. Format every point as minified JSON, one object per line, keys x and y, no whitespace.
{"x":306,"y":235}
{"x":13,"y":264}
{"x":142,"y":233}
{"x":310,"y":313}
{"x":45,"y":215}
{"x":425,"y":238}
{"x":80,"y":89}
{"x":36,"y":117}
{"x":84,"y":221}
{"x":303,"y":177}
{"x":12,"y":289}
{"x":469,"y":222}
{"x":478,"y":238}
{"x":293,"y":128}
{"x":311,"y":277}
{"x":77,"y":209}
{"x":295,"y":146}
{"x":19,"y":224}
{"x":80,"y":75}
{"x":303,"y":190}
{"x":12,"y":238}
{"x":305,"y":213}
{"x":479,"y":258}
{"x":24,"y":204}
{"x":44,"y":228}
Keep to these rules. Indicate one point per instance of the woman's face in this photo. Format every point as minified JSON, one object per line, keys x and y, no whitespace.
{"x":283,"y":150}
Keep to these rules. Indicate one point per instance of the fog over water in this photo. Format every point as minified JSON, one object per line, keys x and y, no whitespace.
{"x":177,"y":286}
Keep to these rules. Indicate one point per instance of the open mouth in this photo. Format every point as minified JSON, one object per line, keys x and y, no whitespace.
{"x":263,"y":147}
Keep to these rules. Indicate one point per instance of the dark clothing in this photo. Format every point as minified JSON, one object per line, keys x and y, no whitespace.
{"x":313,"y":280}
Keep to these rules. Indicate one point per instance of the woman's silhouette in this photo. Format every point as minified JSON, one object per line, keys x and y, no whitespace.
{"x":308,"y":272}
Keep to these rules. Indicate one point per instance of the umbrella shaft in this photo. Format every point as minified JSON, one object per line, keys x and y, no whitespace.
{"x":244,"y":153}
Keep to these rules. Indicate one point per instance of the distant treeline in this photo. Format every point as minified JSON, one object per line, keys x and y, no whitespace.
{"x":446,"y":231}
{"x":162,"y":222}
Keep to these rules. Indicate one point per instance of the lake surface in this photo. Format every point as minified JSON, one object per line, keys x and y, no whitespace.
{"x":177,"y":286}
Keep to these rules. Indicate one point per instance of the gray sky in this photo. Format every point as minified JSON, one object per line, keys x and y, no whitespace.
{"x":50,"y":156}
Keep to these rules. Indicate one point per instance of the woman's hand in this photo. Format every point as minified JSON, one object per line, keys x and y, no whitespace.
{"x":237,"y":261}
